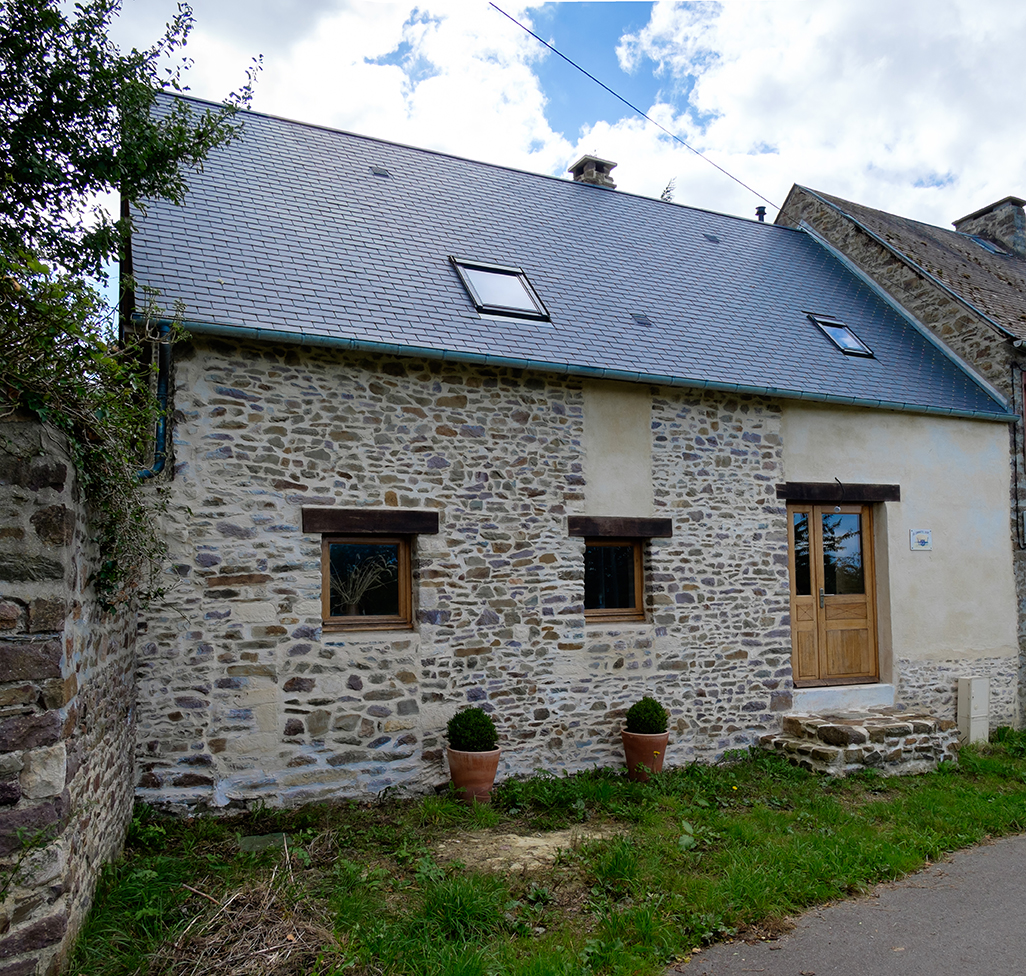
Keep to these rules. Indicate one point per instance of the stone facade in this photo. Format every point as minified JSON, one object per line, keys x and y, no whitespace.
{"x":67,"y":691}
{"x":977,"y":342}
{"x":933,"y":686}
{"x":243,"y":697}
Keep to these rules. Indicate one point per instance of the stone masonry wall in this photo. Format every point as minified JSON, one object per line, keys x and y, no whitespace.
{"x":243,"y":698}
{"x":933,"y":686}
{"x":66,"y":707}
{"x":965,"y":333}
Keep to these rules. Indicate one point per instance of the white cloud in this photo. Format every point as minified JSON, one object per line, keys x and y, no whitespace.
{"x":450,"y":75}
{"x":861,"y":98}
{"x":865,"y":100}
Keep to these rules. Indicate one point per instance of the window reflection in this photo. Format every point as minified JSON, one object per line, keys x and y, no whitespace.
{"x":842,"y":553}
{"x":364,"y":579}
{"x":802,"y":562}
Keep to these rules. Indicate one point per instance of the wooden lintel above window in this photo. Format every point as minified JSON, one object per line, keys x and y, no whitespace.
{"x":614,"y":527}
{"x":835,"y":491}
{"x":370,"y":521}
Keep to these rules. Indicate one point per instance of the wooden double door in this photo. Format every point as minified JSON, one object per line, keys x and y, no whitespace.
{"x":833,"y":607}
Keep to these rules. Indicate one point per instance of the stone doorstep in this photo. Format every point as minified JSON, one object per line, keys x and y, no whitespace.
{"x":886,"y":739}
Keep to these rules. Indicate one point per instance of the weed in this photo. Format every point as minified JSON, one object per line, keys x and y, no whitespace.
{"x":689,"y":857}
{"x":465,"y":908}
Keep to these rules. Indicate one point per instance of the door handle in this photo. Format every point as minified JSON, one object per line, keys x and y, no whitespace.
{"x":821,"y":595}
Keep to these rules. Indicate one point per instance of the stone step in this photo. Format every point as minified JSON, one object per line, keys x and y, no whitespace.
{"x":888,"y":740}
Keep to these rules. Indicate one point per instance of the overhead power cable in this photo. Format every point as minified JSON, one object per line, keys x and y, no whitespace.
{"x":633,"y":108}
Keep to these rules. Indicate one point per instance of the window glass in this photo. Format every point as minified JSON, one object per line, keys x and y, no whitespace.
{"x":842,"y":337}
{"x":364,"y":579}
{"x":366,"y":583}
{"x":802,"y":566}
{"x":498,"y":288}
{"x":842,"y":553}
{"x":611,"y":576}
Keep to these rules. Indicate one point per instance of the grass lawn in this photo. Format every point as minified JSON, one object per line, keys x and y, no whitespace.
{"x":699,"y":853}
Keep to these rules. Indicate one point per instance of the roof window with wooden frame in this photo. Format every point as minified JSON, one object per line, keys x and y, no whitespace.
{"x":366,"y":565}
{"x":498,"y":289}
{"x":614,"y":574}
{"x":841,"y":336}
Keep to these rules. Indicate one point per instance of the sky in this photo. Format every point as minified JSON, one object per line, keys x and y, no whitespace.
{"x":911,"y":106}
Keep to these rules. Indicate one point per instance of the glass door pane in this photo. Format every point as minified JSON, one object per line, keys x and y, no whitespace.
{"x":842,"y":553}
{"x":802,"y":564}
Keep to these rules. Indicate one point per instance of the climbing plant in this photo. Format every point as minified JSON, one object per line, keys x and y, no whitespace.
{"x":80,"y":119}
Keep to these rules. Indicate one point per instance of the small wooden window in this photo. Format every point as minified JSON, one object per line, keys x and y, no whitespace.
{"x":366,"y":582}
{"x":613,"y":580}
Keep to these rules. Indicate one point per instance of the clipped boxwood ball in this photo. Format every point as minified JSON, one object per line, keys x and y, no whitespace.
{"x":647,"y":717}
{"x":472,"y":730}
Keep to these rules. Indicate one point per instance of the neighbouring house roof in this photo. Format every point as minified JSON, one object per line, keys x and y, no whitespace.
{"x":994,"y":284}
{"x":304,"y":234}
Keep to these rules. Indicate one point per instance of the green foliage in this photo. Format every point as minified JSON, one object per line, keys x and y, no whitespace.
{"x":1012,"y":740}
{"x":472,"y":730}
{"x":685,"y":859}
{"x":465,"y":908}
{"x":647,"y":717}
{"x":79,"y":120}
{"x":62,"y":363}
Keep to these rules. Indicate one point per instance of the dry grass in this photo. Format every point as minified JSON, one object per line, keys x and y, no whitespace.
{"x":255,"y":931}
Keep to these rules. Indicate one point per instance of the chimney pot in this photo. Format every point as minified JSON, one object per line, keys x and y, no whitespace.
{"x":760,"y":212}
{"x":591,"y":169}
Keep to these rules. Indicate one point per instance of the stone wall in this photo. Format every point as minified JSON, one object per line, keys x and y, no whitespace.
{"x":67,"y":690}
{"x":933,"y":686}
{"x":965,"y":333}
{"x":243,"y":697}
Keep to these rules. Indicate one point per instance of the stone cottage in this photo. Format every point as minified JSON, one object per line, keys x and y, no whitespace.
{"x":968,"y":286}
{"x":447,"y":432}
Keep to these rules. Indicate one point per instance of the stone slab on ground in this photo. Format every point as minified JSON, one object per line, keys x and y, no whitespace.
{"x":960,"y":916}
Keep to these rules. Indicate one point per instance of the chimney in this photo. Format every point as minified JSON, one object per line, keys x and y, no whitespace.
{"x":591,"y":169}
{"x":1003,"y":222}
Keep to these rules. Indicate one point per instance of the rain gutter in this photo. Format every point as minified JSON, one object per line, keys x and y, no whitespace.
{"x":568,"y":369}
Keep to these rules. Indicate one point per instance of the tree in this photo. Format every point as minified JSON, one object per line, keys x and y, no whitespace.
{"x":78,"y":119}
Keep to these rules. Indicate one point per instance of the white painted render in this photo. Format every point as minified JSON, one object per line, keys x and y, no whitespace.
{"x":958,"y":599}
{"x":618,"y":449}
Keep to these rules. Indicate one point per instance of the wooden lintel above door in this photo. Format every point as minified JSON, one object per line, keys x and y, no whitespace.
{"x":836,"y":491}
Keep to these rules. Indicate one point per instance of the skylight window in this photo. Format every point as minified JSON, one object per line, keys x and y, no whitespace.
{"x":500,"y":290}
{"x":841,"y":336}
{"x":987,"y":245}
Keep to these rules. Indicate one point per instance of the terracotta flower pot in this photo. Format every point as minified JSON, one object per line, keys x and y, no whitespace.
{"x":473,"y":773}
{"x":644,"y":753}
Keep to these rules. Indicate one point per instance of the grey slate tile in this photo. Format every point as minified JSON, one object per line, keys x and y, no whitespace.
{"x":304,"y":239}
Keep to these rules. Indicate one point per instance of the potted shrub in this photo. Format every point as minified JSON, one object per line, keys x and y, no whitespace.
{"x":473,"y":754}
{"x":644,"y":738}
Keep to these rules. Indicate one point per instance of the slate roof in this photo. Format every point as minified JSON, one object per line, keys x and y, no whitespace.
{"x":994,"y":283}
{"x":290,"y":234}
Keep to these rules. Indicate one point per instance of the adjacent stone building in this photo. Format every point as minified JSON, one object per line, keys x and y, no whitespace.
{"x":967,"y":285}
{"x":450,"y":433}
{"x":67,"y":705}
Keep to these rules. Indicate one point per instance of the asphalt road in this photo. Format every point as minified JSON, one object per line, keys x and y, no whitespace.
{"x":965,"y":916}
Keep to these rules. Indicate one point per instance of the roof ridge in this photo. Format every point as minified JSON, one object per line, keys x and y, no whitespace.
{"x":467,"y":159}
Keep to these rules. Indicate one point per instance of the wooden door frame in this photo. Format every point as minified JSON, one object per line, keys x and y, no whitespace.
{"x":811,"y":508}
